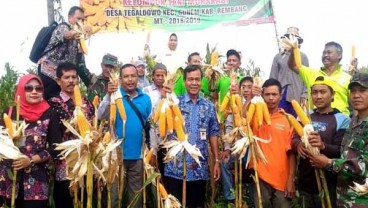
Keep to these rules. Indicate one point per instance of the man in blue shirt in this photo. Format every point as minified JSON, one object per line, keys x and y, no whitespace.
{"x":133,"y":140}
{"x":201,"y":127}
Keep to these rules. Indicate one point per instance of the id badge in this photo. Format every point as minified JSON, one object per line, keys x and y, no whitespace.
{"x":203,"y":133}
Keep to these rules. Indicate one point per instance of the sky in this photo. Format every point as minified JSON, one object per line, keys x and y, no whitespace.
{"x":319,"y":22}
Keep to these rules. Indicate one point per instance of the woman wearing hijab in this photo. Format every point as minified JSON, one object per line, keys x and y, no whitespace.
{"x":42,"y":131}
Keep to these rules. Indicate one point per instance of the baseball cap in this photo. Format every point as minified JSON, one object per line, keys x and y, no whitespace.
{"x":233,"y":52}
{"x":293,"y":31}
{"x":359,"y":78}
{"x":139,"y":62}
{"x":323,"y":80}
{"x":110,"y":59}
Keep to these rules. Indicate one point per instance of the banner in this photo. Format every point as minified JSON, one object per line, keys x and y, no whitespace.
{"x":174,"y":15}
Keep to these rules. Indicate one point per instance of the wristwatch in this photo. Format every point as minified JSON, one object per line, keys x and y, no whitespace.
{"x":329,"y":167}
{"x":32,"y":163}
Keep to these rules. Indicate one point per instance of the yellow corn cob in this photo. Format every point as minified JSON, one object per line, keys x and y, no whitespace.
{"x":106,"y":138}
{"x":95,"y":101}
{"x":162,"y":123}
{"x":300,"y":112}
{"x":112,"y":113}
{"x":237,"y":120}
{"x":162,"y":191}
{"x":250,"y":112}
{"x":120,"y":105}
{"x":259,"y":113}
{"x":179,"y":129}
{"x":77,"y":96}
{"x":224,"y":103}
{"x":177,"y":113}
{"x":239,"y":104}
{"x":169,"y":120}
{"x":83,"y":45}
{"x":296,"y":125}
{"x":214,"y":58}
{"x":266,"y":113}
{"x":9,"y":125}
{"x":158,"y":110}
{"x":149,"y":155}
{"x":255,"y":123}
{"x":243,"y":121}
{"x":83,"y":124}
{"x":297,"y":58}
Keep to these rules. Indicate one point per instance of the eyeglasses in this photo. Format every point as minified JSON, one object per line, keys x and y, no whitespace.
{"x":30,"y":88}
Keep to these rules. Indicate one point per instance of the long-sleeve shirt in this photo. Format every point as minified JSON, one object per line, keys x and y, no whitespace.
{"x":281,"y":71}
{"x":40,"y":136}
{"x":331,"y":127}
{"x":352,"y":166}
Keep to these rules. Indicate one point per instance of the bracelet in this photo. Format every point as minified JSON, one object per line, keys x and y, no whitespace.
{"x":217,"y":160}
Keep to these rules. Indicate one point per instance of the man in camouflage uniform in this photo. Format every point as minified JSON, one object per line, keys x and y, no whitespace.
{"x":98,"y":84}
{"x":352,"y":166}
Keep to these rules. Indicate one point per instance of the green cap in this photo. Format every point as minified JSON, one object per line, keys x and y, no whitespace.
{"x":359,"y":78}
{"x":110,"y":59}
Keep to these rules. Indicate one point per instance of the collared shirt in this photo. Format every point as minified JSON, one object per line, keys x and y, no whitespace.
{"x":200,"y":124}
{"x":353,"y":165}
{"x":281,"y":71}
{"x":340,"y":80}
{"x":180,"y":89}
{"x":155,"y":95}
{"x":64,"y":107}
{"x":67,"y":51}
{"x":133,"y":138}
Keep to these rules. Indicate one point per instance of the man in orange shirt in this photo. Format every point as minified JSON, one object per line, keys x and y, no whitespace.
{"x":277,"y":176}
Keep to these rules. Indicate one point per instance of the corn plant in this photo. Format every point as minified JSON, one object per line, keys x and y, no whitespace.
{"x":7,"y":87}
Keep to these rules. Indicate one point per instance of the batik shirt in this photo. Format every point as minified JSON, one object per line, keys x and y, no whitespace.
{"x":352,"y":167}
{"x":64,"y":107}
{"x":68,"y":50}
{"x":39,"y":138}
{"x":200,"y":124}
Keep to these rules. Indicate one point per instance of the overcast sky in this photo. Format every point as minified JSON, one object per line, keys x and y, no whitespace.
{"x":319,"y":22}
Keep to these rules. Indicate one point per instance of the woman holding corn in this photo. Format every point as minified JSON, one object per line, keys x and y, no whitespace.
{"x":41,"y":130}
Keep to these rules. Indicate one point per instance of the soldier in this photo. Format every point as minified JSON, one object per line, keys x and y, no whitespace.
{"x":351,"y":167}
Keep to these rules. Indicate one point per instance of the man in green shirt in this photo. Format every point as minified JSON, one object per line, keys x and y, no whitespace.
{"x":179,"y":88}
{"x":331,"y":57}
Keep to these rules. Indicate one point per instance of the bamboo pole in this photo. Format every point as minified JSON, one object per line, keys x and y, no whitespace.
{"x":236,"y":182}
{"x":184,"y":193}
{"x":89,"y":180}
{"x":325,"y":188}
{"x":99,"y":196}
{"x":319,"y":187}
{"x":14,"y":182}
{"x":121,"y":170}
{"x":240,"y":184}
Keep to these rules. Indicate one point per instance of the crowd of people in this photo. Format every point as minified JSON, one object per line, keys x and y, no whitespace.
{"x":338,"y":104}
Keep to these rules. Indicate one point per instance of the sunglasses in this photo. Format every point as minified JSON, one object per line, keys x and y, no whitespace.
{"x":30,"y":88}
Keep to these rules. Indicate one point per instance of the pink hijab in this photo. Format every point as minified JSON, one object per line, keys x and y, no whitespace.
{"x":30,"y":112}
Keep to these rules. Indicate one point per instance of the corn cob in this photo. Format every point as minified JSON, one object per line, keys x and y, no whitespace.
{"x":112,"y":113}
{"x":169,"y":120}
{"x":297,"y":58}
{"x":255,"y":123}
{"x":83,"y":45}
{"x":266,"y":113}
{"x":162,"y":191}
{"x":162,"y":123}
{"x":214,"y":58}
{"x":9,"y":125}
{"x":149,"y":155}
{"x":177,"y":113}
{"x":250,"y":113}
{"x":120,"y":105}
{"x":179,"y":129}
{"x":238,"y":102}
{"x":95,"y":101}
{"x":259,"y":113}
{"x":296,"y":125}
{"x":300,"y":112}
{"x":225,"y":102}
{"x":158,"y":110}
{"x":77,"y":96}
{"x":83,"y":124}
